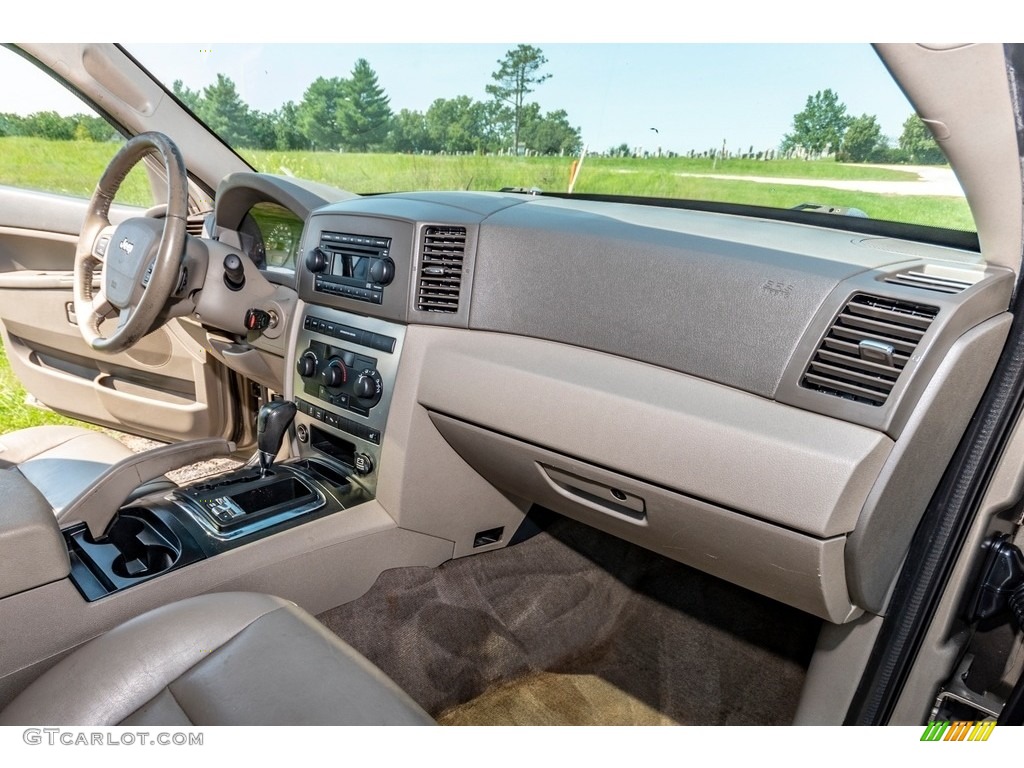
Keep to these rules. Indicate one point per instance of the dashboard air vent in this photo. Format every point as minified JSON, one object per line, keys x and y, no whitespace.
{"x":918,"y":279}
{"x":440,"y":281}
{"x":867,"y":347}
{"x":194,"y":224}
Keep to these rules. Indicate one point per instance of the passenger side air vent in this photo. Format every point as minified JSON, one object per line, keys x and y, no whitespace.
{"x":443,"y":251}
{"x":918,"y":279}
{"x":867,"y":347}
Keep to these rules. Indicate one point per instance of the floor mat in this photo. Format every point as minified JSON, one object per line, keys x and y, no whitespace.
{"x":551,"y":698}
{"x":575,"y":601}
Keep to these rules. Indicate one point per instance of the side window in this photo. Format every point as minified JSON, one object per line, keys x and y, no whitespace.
{"x":52,"y":141}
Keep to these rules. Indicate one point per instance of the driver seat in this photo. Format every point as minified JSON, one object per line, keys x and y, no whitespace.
{"x":60,"y":462}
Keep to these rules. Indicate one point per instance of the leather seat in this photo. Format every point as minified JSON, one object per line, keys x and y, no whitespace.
{"x":61,"y":462}
{"x":233,"y":658}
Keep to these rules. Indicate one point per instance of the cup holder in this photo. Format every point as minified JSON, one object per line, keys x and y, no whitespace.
{"x":142,"y":551}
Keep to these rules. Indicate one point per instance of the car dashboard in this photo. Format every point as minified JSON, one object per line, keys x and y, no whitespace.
{"x":772,"y":403}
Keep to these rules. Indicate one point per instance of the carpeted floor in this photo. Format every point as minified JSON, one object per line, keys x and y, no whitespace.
{"x":577,"y":627}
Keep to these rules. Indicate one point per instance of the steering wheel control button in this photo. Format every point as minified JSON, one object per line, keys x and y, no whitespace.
{"x":234,"y":272}
{"x":363,"y":464}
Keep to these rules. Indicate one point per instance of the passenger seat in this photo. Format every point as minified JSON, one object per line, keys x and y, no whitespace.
{"x":232,"y":658}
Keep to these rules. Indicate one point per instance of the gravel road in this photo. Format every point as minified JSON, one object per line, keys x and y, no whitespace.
{"x":932,"y":181}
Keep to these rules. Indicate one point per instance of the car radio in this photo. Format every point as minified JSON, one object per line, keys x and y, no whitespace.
{"x":354,"y":266}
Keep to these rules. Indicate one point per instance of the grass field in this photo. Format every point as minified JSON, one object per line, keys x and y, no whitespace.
{"x":73,"y":167}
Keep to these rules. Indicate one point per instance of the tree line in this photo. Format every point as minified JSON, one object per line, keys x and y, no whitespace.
{"x":824,"y":128}
{"x":354,"y":114}
{"x":50,"y":125}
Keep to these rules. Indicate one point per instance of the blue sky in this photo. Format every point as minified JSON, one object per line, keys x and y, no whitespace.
{"x":618,"y":70}
{"x":695,"y":95}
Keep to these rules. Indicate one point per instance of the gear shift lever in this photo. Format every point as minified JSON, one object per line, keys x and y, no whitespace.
{"x":271,"y":424}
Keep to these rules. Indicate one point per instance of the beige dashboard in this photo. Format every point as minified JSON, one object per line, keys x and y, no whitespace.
{"x":638,"y":370}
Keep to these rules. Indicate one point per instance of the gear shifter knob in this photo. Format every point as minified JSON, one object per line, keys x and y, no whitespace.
{"x":271,"y":424}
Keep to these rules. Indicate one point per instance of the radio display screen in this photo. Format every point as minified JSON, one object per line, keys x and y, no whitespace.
{"x":350,"y":266}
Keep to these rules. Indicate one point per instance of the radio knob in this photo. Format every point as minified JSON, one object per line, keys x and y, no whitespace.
{"x":306,"y":365}
{"x":369,"y":387}
{"x":335,"y":374}
{"x":382,"y":272}
{"x":316,"y":260}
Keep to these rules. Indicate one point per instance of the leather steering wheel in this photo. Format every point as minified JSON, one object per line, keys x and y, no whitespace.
{"x":140,"y":258}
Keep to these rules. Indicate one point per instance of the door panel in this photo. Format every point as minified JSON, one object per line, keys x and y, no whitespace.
{"x":166,"y":387}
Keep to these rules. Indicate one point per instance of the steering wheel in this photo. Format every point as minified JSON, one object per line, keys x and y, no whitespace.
{"x":140,"y":258}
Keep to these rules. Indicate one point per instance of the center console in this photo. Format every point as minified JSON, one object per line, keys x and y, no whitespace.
{"x":344,"y":365}
{"x":159,"y":534}
{"x":344,"y":377}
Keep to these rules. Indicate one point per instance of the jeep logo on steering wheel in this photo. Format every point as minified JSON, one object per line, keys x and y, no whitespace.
{"x":127,"y":246}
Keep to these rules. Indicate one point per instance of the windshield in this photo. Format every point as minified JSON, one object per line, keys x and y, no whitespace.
{"x":822,"y":127}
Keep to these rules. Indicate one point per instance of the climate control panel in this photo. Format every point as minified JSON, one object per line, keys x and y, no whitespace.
{"x":345,"y":367}
{"x":340,"y":376}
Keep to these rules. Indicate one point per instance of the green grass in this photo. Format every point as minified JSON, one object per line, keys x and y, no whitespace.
{"x":626,"y":176}
{"x":67,"y":167}
{"x":389,"y":173}
{"x":74,"y":166}
{"x":15,"y":413}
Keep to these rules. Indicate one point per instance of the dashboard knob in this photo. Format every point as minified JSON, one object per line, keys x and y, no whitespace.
{"x":382,"y":272}
{"x":369,"y":387}
{"x":306,"y":365}
{"x":316,"y":260}
{"x":335,"y":374}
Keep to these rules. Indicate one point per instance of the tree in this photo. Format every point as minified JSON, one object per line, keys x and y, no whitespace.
{"x":862,"y":139}
{"x":518,"y":73}
{"x":364,"y":114}
{"x":550,"y":134}
{"x":456,"y":125}
{"x":287,"y":133}
{"x":49,"y":125}
{"x":223,"y":110}
{"x":187,"y":96}
{"x":92,"y":128}
{"x":409,"y":133}
{"x":318,"y":112}
{"x":918,"y":144}
{"x":262,"y":129}
{"x":11,"y":124}
{"x":818,"y":129}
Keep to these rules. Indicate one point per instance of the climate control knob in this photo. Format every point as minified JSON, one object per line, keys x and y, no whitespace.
{"x":306,"y":364}
{"x":369,"y":387}
{"x":335,"y":374}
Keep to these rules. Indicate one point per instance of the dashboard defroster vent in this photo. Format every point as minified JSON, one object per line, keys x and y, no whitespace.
{"x":867,"y":347}
{"x":440,"y":280}
{"x":937,"y":283}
